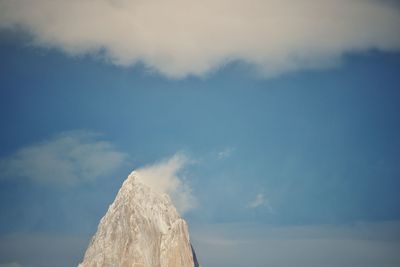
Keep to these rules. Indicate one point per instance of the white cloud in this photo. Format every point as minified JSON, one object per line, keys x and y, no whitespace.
{"x":166,"y":177}
{"x":67,"y":159}
{"x":261,"y":201}
{"x":182,"y":37}
{"x":226,"y":153}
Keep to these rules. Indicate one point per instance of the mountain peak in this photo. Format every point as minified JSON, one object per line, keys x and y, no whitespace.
{"x":141,"y":228}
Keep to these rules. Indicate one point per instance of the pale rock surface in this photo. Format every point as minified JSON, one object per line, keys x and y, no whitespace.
{"x":140,"y":229}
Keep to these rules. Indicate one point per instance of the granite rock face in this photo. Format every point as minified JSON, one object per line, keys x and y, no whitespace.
{"x":140,"y":229}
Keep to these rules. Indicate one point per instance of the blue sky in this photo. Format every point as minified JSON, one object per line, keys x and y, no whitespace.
{"x":282,"y":159}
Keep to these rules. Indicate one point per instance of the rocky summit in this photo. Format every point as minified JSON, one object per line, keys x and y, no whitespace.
{"x":141,"y":228}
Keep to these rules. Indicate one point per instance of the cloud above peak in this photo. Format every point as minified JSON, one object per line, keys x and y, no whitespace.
{"x":166,"y":177}
{"x":187,"y":37}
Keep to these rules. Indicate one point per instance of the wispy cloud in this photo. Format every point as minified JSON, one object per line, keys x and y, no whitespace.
{"x":260,"y":201}
{"x":226,"y":153}
{"x":69,"y":158}
{"x":166,"y":177}
{"x":183,"y":37}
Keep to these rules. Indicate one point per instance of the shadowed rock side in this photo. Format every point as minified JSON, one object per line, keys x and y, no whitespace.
{"x":196,"y":264}
{"x":140,"y":229}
